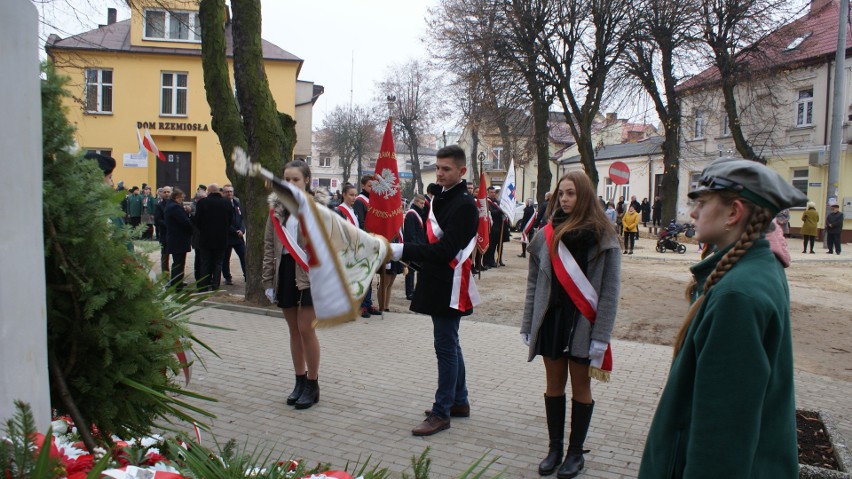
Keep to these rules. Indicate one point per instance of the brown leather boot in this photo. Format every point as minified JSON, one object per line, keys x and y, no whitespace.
{"x":432,"y":425}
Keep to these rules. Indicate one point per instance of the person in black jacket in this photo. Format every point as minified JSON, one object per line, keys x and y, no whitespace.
{"x":414,"y":231}
{"x":236,"y":236}
{"x":495,"y":238}
{"x":646,"y":212}
{"x":361,"y":206}
{"x":526,"y":236}
{"x":160,"y":222}
{"x":833,"y":228}
{"x":456,"y":215}
{"x":178,"y":235}
{"x":213,"y":216}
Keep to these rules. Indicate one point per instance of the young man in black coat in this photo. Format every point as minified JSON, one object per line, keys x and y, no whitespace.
{"x":160,"y":221}
{"x":456,"y":214}
{"x":361,"y":206}
{"x":178,"y":235}
{"x":496,"y":235}
{"x":213,"y":217}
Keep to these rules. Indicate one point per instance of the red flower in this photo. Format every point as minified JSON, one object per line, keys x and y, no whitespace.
{"x":153,"y":458}
{"x":38,"y":439}
{"x":83,"y":464}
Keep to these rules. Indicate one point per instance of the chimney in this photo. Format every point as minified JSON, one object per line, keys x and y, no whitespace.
{"x":111,"y":14}
{"x":611,"y":118}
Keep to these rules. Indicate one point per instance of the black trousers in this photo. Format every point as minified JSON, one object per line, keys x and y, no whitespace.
{"x":178,"y":264}
{"x":808,"y":239}
{"x":409,"y":283}
{"x":240,"y":249}
{"x":833,"y":240}
{"x":211,"y":268}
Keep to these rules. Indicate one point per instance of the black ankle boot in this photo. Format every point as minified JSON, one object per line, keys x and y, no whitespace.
{"x":554,"y":407}
{"x":297,"y":390}
{"x":310,"y":395}
{"x":581,"y":416}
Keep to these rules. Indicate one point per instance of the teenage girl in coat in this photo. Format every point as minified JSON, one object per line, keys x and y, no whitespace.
{"x":728,"y":408}
{"x":553,"y":326}
{"x":287,"y":285}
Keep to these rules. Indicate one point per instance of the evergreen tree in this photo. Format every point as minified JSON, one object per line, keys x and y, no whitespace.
{"x":113,"y":335}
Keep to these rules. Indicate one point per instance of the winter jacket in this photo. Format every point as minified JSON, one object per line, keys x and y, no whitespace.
{"x":178,"y":229}
{"x":630,"y":222}
{"x":728,"y":408}
{"x":134,"y":205}
{"x":810,"y":220}
{"x":834,"y":223}
{"x":213,"y":217}
{"x":604,"y":272}
{"x":273,"y":248}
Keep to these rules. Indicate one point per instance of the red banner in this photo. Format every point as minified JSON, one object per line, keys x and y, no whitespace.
{"x":385,"y":215}
{"x":483,"y":230}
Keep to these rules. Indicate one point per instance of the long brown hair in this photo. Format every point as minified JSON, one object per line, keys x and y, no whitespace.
{"x":757,"y":223}
{"x":587,"y":213}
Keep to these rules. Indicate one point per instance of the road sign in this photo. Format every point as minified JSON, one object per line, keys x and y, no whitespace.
{"x":619,"y":173}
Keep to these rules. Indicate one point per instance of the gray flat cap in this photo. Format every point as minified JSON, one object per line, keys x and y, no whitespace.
{"x":753,"y":181}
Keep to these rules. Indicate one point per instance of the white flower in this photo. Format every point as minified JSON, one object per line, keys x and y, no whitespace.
{"x":59,"y":426}
{"x":151,"y":440}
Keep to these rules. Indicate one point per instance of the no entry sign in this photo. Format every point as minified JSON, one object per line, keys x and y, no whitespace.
{"x":619,"y":173}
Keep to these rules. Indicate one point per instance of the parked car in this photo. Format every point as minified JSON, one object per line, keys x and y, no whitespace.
{"x":519,"y":215}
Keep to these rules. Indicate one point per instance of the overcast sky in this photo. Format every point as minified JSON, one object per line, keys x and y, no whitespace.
{"x":325,"y":34}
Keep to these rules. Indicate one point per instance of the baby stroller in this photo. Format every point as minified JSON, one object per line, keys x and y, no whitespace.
{"x":668,"y":237}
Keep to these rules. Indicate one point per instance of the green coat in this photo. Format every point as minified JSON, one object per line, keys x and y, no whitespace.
{"x":134,"y":205}
{"x":810,"y":220}
{"x":728,"y":408}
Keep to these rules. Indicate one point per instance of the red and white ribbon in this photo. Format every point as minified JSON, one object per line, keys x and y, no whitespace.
{"x":464,"y":295}
{"x":348,"y":213}
{"x":289,"y":241}
{"x":525,"y":232}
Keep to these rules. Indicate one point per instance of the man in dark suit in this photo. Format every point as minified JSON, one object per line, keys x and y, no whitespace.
{"x":454,"y":230}
{"x":213,"y":215}
{"x":414,"y":231}
{"x":236,"y":236}
{"x":178,"y":235}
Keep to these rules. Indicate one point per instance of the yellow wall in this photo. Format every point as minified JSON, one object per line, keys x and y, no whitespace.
{"x":136,"y":99}
{"x":817,"y":194}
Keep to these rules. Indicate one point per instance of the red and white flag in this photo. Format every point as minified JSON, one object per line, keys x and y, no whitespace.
{"x":484,"y":229}
{"x":385,"y":215}
{"x":149,"y":144}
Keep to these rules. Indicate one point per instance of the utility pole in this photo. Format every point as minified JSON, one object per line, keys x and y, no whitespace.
{"x":837,"y":109}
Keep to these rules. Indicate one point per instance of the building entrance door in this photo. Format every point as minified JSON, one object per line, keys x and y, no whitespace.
{"x":176,"y":171}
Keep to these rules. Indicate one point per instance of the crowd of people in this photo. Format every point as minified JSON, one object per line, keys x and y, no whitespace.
{"x":731,"y":379}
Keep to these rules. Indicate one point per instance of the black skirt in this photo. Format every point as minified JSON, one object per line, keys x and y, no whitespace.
{"x":288,"y":295}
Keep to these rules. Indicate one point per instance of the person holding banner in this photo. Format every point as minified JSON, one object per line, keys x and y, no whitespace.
{"x":569,"y":312}
{"x":285,"y":278}
{"x":446,"y":290}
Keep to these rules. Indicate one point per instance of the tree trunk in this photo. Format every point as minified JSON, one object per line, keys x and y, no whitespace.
{"x":541,"y":115}
{"x":743,"y":146}
{"x":474,"y":154}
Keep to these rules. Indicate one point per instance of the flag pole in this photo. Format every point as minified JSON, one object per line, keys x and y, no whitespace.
{"x":481,"y":254}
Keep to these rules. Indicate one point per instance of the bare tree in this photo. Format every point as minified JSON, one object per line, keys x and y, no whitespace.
{"x":349,"y":133}
{"x":737,"y":32}
{"x":415,"y":107}
{"x":665,"y":37}
{"x":582,"y":45}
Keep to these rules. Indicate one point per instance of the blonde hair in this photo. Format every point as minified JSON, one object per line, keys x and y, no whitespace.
{"x":758,"y":222}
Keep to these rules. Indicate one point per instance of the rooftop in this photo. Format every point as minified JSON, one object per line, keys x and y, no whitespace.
{"x":651,"y":146}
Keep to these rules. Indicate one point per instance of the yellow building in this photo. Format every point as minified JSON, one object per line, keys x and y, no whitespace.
{"x":144,"y":73}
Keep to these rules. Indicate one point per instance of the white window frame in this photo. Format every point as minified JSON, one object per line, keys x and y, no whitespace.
{"x":496,"y":154}
{"x":625,"y":192}
{"x":101,"y":88}
{"x":804,"y":113}
{"x":726,"y":124}
{"x":193,"y":27}
{"x":175,"y":89}
{"x":694,"y":178}
{"x":699,"y":126}
{"x":799,"y":179}
{"x":325,"y":162}
{"x":609,"y":190}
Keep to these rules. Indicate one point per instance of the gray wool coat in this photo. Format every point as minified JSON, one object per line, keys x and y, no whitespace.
{"x":604,"y":272}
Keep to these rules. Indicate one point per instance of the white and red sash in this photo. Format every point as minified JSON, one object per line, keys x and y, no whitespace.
{"x":525,"y":232}
{"x":464,"y":295}
{"x":416,"y":215}
{"x":348,"y":213}
{"x":289,"y":241}
{"x":582,"y":293}
{"x":363,"y":199}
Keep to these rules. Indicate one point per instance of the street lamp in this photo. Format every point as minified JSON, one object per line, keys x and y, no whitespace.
{"x":391,"y":100}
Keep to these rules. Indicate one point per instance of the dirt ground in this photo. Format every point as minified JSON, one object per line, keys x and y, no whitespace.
{"x":652,"y":304}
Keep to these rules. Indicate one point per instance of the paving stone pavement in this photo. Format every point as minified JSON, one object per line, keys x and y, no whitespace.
{"x":378,"y":375}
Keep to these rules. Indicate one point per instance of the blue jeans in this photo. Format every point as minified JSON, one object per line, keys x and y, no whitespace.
{"x":452,"y":388}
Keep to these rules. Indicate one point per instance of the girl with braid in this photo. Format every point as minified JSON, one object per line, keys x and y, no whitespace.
{"x":728,"y":408}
